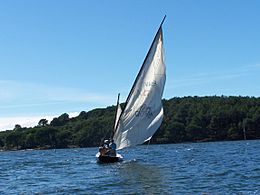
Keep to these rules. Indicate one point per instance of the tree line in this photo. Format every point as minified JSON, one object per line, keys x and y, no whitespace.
{"x":186,"y":119}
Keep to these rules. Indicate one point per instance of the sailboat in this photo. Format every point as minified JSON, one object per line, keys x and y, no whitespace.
{"x":142,"y":114}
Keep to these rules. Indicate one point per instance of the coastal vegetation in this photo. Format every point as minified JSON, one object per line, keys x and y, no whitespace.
{"x":186,"y":119}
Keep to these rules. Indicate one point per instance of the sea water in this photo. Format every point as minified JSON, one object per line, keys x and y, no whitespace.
{"x":193,"y":168}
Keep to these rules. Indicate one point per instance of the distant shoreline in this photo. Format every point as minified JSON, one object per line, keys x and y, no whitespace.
{"x":186,"y":120}
{"x":152,"y":143}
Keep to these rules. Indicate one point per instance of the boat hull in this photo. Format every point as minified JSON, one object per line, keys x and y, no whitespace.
{"x":108,"y":159}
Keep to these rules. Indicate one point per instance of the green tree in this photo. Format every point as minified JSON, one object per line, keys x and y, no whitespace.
{"x":60,"y":121}
{"x":175,"y":132}
{"x":46,"y":137}
{"x":17,"y":127}
{"x":43,"y":123}
{"x":234,"y":133}
{"x":13,"y":139}
{"x":30,"y":141}
{"x":63,"y":138}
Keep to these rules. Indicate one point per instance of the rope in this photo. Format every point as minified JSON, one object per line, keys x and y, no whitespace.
{"x":148,"y":146}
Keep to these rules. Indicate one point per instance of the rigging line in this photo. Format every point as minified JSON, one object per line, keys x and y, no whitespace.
{"x":147,"y":146}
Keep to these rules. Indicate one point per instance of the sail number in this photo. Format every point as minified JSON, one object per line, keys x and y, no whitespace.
{"x":144,"y":110}
{"x":149,"y":83}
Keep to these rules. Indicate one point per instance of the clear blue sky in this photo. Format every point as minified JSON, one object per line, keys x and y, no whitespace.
{"x":61,"y":56}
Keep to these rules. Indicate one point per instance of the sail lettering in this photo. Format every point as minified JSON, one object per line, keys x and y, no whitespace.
{"x":144,"y":111}
{"x":149,"y":83}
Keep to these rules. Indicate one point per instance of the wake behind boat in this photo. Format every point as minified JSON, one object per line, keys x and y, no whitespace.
{"x":143,"y":111}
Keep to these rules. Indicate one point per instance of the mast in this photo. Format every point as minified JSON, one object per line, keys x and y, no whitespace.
{"x":117,"y":104}
{"x":139,"y":73}
{"x":115,"y":121}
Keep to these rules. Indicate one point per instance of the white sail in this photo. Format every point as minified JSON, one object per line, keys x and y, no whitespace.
{"x":143,"y":112}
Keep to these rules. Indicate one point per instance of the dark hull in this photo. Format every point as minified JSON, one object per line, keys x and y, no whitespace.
{"x":108,"y":159}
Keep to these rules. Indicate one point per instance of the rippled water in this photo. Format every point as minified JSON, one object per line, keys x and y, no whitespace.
{"x":198,"y":168}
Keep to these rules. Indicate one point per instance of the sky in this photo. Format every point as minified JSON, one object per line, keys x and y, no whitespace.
{"x":66,"y":56}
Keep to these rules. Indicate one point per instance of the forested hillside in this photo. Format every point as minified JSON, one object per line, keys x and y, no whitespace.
{"x":187,"y":119}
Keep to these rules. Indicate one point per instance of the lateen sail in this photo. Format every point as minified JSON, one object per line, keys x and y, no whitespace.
{"x":143,"y":112}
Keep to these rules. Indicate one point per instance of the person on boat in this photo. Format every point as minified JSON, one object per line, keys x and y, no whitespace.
{"x":106,"y":143}
{"x":112,"y":147}
{"x":104,"y":149}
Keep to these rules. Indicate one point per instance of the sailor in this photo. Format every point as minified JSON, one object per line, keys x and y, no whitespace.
{"x":104,"y":149}
{"x":106,"y":143}
{"x":112,"y":147}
